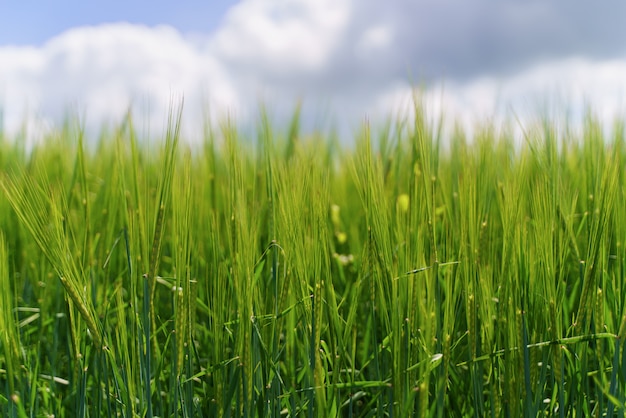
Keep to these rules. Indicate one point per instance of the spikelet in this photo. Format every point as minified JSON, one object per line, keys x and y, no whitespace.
{"x":471,"y":325}
{"x":85,"y":312}
{"x":519,"y":341}
{"x":154,"y":258}
{"x":534,"y":365}
{"x":446,"y":355}
{"x":180,"y":328}
{"x":622,"y":328}
{"x":495,"y":393}
{"x":598,"y":316}
{"x":555,"y":349}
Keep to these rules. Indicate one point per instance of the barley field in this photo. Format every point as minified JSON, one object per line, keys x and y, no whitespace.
{"x":416,"y":272}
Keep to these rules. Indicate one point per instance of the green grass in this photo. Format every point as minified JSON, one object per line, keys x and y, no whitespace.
{"x":414,"y":273}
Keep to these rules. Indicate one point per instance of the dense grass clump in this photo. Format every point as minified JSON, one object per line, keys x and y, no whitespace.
{"x":285,"y":275}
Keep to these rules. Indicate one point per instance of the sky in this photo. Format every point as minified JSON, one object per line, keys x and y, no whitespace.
{"x":346,"y":61}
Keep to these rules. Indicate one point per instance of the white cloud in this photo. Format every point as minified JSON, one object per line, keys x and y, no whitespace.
{"x":374,"y":39}
{"x":281,"y":36}
{"x":102,"y":70}
{"x":566,"y":88}
{"x":348,"y":61}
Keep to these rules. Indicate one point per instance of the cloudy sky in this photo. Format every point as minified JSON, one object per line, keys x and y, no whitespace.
{"x":347,"y":60}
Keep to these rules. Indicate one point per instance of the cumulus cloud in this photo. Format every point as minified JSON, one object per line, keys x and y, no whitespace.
{"x":344,"y":58}
{"x":281,"y":38}
{"x":100,"y":71}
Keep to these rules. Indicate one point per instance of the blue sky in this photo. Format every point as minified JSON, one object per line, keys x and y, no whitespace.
{"x":32,"y":22}
{"x":347,"y":60}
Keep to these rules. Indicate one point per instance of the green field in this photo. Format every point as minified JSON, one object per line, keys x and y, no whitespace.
{"x":413,"y":273}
